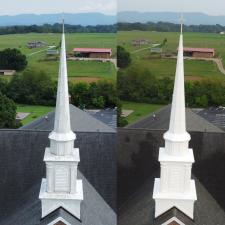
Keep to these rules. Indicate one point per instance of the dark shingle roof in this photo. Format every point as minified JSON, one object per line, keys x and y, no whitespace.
{"x":138,"y":163}
{"x":80,"y":121}
{"x":139,"y":209}
{"x":60,"y":213}
{"x":22,"y":168}
{"x":94,"y":210}
{"x":161,"y":118}
{"x":107,"y":116}
{"x":171,"y":213}
{"x":215,"y":116}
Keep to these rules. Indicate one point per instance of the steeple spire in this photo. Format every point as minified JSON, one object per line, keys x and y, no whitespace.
{"x":62,"y":128}
{"x":61,"y":188}
{"x":63,"y":25}
{"x":181,"y":23}
{"x":177,"y":128}
{"x":175,"y":188}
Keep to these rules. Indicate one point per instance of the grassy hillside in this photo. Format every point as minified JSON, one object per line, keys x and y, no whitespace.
{"x":194,"y":69}
{"x":75,"y":68}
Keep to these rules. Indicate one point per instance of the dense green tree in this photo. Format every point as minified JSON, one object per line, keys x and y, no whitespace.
{"x":3,"y":86}
{"x":108,"y":90}
{"x":7,"y":112}
{"x":139,"y":85}
{"x":12,"y":59}
{"x":98,"y":102}
{"x":201,"y":101}
{"x":80,"y":96}
{"x":123,"y":57}
{"x":99,"y":94}
{"x":33,"y":87}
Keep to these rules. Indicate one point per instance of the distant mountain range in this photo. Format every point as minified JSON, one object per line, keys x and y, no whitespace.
{"x":102,"y":19}
{"x":70,"y":18}
{"x":173,"y":17}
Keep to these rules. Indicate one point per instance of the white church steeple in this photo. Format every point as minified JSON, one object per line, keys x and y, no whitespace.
{"x":62,"y":130}
{"x":177,"y":134}
{"x":175,"y":187}
{"x":61,"y":187}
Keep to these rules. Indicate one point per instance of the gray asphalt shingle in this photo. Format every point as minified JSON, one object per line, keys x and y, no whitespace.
{"x":81,"y":121}
{"x":139,"y":209}
{"x":161,"y":118}
{"x":22,"y":168}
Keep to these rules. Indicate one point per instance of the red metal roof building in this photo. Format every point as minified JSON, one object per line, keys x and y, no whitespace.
{"x":93,"y":52}
{"x":199,"y":52}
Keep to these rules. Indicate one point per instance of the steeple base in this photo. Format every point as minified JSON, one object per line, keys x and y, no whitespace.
{"x":183,"y":201}
{"x":52,"y":201}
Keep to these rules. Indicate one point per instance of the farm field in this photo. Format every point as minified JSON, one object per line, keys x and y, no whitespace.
{"x":140,"y":110}
{"x":90,"y":69}
{"x":35,"y":111}
{"x":194,"y":69}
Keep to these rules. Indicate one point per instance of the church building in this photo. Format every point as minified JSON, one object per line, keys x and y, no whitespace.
{"x":59,"y":177}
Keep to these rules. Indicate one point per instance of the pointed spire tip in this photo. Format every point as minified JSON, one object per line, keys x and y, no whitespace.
{"x":63,"y":23}
{"x":181,"y":23}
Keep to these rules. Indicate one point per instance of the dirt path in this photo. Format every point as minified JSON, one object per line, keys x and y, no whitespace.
{"x":219,"y":65}
{"x":43,"y":50}
{"x":142,"y":49}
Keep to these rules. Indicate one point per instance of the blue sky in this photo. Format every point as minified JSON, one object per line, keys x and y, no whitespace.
{"x":212,"y":7}
{"x":14,"y":7}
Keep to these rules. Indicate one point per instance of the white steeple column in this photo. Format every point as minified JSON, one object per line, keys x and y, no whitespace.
{"x":61,"y":187}
{"x":175,"y":188}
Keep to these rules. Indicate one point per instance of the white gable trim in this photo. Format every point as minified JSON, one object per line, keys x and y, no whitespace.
{"x":173,"y":219}
{"x":59,"y":219}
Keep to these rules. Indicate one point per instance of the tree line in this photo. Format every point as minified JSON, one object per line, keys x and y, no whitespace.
{"x":57,"y":28}
{"x":38,"y":88}
{"x":140,"y":85}
{"x":149,"y":26}
{"x":169,"y":27}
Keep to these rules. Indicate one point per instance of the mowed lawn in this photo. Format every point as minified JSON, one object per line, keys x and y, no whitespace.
{"x":166,"y":67}
{"x":141,"y":110}
{"x":79,"y":68}
{"x":193,"y":68}
{"x":75,"y":68}
{"x":35,"y":111}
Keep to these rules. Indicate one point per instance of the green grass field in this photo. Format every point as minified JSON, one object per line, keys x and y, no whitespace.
{"x":166,"y":67}
{"x":75,"y":68}
{"x":140,"y":110}
{"x":34,"y":110}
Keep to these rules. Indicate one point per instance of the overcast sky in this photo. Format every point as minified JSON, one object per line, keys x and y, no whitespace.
{"x":212,"y":7}
{"x":14,"y":7}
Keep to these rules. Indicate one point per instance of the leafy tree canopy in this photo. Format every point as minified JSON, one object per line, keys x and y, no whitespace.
{"x":7,"y":112}
{"x":123,"y":57}
{"x":12,"y":59}
{"x":32,"y":87}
